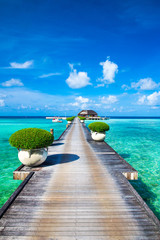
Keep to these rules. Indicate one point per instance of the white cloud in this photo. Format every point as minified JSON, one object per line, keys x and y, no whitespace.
{"x":125,"y":87}
{"x":71,"y":65}
{"x":141,"y":100}
{"x":84,"y":106}
{"x":49,"y":75}
{"x":80,"y":102}
{"x":100,"y":85}
{"x":145,"y":84}
{"x":77,"y":79}
{"x":76,"y":104}
{"x":2,"y":103}
{"x":81,"y":99}
{"x":24,"y":65}
{"x":12,"y":82}
{"x":109,"y":100}
{"x":109,"y":71}
{"x":21,"y":98}
{"x":153,"y":98}
{"x":97,"y":104}
{"x":142,"y":84}
{"x":23,"y":107}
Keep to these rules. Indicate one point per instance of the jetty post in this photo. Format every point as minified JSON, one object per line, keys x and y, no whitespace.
{"x":52,"y":131}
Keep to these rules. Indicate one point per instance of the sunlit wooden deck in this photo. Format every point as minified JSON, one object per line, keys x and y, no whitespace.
{"x":80,"y":193}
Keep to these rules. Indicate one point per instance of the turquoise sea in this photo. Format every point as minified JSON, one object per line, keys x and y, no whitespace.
{"x":8,"y":155}
{"x":138,"y":142}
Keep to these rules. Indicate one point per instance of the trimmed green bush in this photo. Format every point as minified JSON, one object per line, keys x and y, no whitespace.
{"x":82,"y":118}
{"x":70,"y":118}
{"x":98,"y":127}
{"x":31,"y":138}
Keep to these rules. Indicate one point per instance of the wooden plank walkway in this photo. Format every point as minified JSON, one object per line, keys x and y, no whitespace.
{"x":79,"y":194}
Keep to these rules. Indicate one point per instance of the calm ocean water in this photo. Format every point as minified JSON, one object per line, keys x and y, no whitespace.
{"x":8,"y":155}
{"x":138,"y":142}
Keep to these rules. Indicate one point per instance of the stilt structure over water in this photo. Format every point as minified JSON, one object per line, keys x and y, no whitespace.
{"x":80,"y":193}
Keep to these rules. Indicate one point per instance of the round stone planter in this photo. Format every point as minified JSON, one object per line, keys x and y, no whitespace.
{"x":82,"y":121}
{"x":33,"y":157}
{"x":99,"y":137}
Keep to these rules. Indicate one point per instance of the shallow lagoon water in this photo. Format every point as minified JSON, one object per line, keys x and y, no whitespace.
{"x":138,"y":142}
{"x":8,"y":155}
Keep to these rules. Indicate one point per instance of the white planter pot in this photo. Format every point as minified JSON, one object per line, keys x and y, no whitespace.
{"x":33,"y":157}
{"x":98,"y":136}
{"x":82,"y":121}
{"x":69,"y":122}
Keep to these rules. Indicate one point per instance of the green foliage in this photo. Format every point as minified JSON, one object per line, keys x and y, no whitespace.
{"x":31,"y":138}
{"x":98,"y":127}
{"x":82,"y":118}
{"x":70,"y":119}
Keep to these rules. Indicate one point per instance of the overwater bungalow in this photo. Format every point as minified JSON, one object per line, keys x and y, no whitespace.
{"x":90,"y":115}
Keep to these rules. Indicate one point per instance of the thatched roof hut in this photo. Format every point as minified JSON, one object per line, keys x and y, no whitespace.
{"x":87,"y":113}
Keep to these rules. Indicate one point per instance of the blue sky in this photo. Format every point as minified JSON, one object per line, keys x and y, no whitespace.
{"x":58,"y":57}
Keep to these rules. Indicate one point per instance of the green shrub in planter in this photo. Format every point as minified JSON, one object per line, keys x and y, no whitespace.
{"x":31,"y":138}
{"x":82,"y":118}
{"x":98,"y":127}
{"x":70,"y":119}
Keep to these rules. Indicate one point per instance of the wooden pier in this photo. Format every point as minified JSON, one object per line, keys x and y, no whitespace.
{"x":80,"y":193}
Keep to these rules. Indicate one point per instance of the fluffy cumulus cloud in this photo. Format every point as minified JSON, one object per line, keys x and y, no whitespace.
{"x":142,"y":84}
{"x":24,"y":65}
{"x":152,"y":99}
{"x":109,"y":71}
{"x":77,"y":79}
{"x":109,"y":100}
{"x":81,"y":99}
{"x":12,"y":82}
{"x":145,"y":84}
{"x":80,"y":102}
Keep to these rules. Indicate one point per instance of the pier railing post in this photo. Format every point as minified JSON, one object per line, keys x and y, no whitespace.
{"x":52,"y":131}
